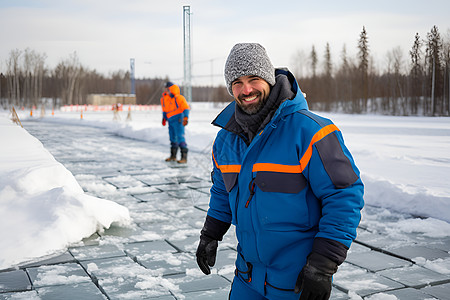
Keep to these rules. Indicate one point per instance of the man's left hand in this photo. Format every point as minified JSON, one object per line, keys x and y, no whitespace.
{"x":185,"y":121}
{"x":314,"y":281}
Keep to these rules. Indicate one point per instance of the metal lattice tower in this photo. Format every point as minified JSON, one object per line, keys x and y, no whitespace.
{"x":187,"y":84}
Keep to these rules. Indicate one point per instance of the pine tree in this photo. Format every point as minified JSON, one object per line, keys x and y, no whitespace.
{"x":446,"y":58}
{"x":312,"y":93}
{"x":363,"y":55}
{"x":328,"y":92}
{"x":434,"y":49}
{"x":416,"y":73}
{"x":313,"y":58}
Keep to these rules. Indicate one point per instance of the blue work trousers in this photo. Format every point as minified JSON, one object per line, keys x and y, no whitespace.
{"x":176,"y":132}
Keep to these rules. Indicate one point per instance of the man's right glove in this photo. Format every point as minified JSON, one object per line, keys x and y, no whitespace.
{"x":163,"y":122}
{"x":206,"y":254}
{"x":314,"y":281}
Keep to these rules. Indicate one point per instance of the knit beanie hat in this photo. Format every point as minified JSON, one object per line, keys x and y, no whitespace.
{"x":248,"y":59}
{"x":168,"y":84}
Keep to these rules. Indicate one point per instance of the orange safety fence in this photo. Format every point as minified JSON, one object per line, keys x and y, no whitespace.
{"x":78,"y":108}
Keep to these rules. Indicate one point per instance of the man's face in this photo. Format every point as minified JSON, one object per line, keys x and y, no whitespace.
{"x":250,"y":93}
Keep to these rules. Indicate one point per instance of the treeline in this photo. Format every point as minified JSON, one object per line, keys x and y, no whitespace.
{"x":148,"y":91}
{"x":416,"y":84}
{"x":25,"y":82}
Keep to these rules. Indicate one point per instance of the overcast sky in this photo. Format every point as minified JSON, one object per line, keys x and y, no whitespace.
{"x":106,"y":33}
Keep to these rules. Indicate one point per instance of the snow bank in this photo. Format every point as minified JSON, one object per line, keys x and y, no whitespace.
{"x":42,"y":207}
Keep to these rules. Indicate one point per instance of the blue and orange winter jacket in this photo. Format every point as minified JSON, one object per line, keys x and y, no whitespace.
{"x":295,"y":182}
{"x":173,"y":103}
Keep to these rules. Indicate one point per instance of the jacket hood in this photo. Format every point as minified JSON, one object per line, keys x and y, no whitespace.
{"x":174,"y":89}
{"x":287,"y":107}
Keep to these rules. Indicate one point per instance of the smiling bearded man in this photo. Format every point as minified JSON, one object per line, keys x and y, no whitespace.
{"x":284,"y":177}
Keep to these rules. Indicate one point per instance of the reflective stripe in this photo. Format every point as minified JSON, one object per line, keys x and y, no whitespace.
{"x":215,"y":162}
{"x":226,"y":168}
{"x":270,"y":167}
{"x":230,"y":168}
{"x":258,"y":167}
{"x":317,"y":137}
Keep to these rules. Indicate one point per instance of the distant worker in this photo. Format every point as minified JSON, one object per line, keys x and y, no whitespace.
{"x":176,"y":112}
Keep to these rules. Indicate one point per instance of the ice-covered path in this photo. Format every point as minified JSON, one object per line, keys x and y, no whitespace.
{"x":154,"y":257}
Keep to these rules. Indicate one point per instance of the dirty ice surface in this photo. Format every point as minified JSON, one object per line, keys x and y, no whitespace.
{"x":404,"y":164}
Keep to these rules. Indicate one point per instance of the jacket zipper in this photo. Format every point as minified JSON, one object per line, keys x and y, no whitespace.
{"x":251,"y":187}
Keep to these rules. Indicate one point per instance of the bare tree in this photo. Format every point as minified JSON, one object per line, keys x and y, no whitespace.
{"x":13,"y":74}
{"x":299,"y":63}
{"x":344,"y":80}
{"x":38,"y":72}
{"x":32,"y":73}
{"x":67,"y":72}
{"x":311,"y":84}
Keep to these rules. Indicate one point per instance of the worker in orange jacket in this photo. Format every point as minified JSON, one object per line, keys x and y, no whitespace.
{"x":176,"y":112}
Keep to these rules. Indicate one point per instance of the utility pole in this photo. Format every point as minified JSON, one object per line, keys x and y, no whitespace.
{"x":133,"y":89}
{"x":187,"y":84}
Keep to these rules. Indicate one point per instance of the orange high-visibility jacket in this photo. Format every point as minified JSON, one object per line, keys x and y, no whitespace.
{"x":173,"y":103}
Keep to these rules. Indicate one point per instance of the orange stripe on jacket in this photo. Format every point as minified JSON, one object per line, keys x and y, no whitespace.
{"x":230,"y":168}
{"x":268,"y":167}
{"x":317,"y":137}
{"x":226,"y":168}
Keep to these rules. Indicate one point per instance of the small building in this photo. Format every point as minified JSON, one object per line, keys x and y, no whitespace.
{"x":111,"y":99}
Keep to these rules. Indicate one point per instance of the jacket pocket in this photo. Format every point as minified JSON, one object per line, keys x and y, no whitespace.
{"x":282,"y":202}
{"x":277,"y":182}
{"x":243,"y":269}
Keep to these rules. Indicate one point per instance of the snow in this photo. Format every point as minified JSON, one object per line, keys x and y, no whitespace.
{"x":42,"y":207}
{"x":438,"y":265}
{"x":382,"y":296}
{"x":404,"y":163}
{"x":57,"y":275}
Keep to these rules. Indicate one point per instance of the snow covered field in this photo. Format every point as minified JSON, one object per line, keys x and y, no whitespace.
{"x":404,"y":163}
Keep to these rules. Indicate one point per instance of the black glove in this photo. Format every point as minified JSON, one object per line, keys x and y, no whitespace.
{"x":314,"y":281}
{"x":206,"y":254}
{"x":212,"y":232}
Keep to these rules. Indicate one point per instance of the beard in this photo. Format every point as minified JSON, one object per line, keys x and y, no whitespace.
{"x":252,"y":108}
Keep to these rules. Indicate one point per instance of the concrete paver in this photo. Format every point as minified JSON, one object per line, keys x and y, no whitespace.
{"x":154,"y":258}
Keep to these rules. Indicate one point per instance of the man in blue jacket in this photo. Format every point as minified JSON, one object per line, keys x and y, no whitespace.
{"x":283,"y":176}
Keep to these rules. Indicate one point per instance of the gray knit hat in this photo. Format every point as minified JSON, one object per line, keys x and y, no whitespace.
{"x":248,"y":59}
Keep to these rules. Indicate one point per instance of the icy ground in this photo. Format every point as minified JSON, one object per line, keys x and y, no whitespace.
{"x":404,"y":164}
